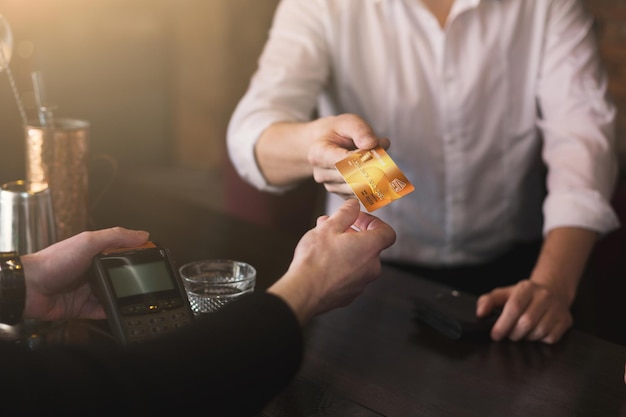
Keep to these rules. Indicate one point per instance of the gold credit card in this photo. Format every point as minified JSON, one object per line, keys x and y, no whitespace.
{"x":374,"y":178}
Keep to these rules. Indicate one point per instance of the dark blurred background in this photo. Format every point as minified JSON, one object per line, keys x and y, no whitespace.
{"x":158,"y":79}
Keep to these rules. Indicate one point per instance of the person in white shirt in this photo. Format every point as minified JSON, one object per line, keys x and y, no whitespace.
{"x":496,"y":111}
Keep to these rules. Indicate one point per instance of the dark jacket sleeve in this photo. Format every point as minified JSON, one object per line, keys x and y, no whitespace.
{"x":231,"y":363}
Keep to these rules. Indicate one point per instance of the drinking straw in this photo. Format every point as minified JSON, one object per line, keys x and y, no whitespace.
{"x":43,"y":110}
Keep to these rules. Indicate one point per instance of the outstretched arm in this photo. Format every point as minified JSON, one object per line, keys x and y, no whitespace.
{"x":290,"y":152}
{"x":333,"y":263}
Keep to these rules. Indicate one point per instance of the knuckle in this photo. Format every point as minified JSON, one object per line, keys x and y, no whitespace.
{"x":524,"y":283}
{"x":317,"y":176}
{"x":313,"y":157}
{"x":525,"y":323}
{"x":515,"y":305}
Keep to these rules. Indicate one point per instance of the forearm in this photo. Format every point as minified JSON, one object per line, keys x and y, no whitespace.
{"x":252,"y":346}
{"x":296,"y":294}
{"x":282,"y":152}
{"x":563,"y":259}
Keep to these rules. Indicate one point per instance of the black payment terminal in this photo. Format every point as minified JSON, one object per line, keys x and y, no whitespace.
{"x":141,"y":291}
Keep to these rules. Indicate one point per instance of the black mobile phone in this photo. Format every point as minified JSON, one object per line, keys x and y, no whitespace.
{"x":453,"y":314}
{"x":141,"y":291}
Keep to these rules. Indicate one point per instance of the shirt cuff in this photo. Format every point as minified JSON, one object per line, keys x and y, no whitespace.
{"x":242,"y":155}
{"x":588,"y":210}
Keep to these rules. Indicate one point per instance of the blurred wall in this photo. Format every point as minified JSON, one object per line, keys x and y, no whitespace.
{"x":215,"y":47}
{"x":158,"y":79}
{"x":610,"y":19}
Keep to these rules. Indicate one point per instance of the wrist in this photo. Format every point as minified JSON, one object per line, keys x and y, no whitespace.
{"x":12,"y":288}
{"x":561,"y":286}
{"x":296,"y":297}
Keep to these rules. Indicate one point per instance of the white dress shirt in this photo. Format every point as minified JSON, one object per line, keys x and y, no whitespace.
{"x":475,"y":112}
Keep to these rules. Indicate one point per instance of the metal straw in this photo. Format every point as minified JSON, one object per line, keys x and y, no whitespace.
{"x":44,"y":111}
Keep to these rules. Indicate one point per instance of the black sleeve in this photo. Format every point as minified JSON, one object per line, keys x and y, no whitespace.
{"x":231,"y":363}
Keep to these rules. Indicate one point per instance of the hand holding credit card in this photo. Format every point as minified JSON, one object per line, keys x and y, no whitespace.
{"x":374,"y":178}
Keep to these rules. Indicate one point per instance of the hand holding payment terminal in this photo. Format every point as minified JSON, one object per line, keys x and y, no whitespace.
{"x":141,"y":291}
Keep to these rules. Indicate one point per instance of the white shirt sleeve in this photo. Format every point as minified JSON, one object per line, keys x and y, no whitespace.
{"x":294,"y":63}
{"x":577,"y":121}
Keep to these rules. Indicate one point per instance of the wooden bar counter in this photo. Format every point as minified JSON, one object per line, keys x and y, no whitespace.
{"x":370,"y":358}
